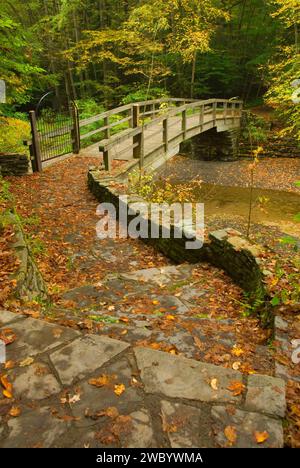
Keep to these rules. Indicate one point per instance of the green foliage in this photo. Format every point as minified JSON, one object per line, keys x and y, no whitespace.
{"x":255,"y":129}
{"x":143,"y":94}
{"x":15,"y":65}
{"x":12,"y":133}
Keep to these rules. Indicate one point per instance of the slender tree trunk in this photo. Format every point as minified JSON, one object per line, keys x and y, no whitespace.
{"x":193,"y":74}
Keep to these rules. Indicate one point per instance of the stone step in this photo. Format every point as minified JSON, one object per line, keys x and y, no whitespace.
{"x":164,"y":400}
{"x":177,"y":309}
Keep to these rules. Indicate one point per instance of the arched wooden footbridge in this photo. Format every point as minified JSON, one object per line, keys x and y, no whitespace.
{"x":158,"y":127}
{"x":146,"y":131}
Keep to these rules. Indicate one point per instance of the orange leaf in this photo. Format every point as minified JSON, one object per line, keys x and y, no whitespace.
{"x":15,"y":411}
{"x":5,"y":383}
{"x":261,"y":437}
{"x":7,"y":394}
{"x":230,"y":434}
{"x":8,"y":336}
{"x":101,"y":381}
{"x":236,"y":387}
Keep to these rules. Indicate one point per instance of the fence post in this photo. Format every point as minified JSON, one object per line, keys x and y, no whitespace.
{"x":75,"y":131}
{"x":166,"y":134}
{"x":36,"y":150}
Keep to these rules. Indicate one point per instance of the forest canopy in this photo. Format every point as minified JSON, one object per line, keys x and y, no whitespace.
{"x":116,"y":51}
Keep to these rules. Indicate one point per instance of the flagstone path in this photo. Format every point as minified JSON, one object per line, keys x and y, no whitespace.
{"x":139,"y":397}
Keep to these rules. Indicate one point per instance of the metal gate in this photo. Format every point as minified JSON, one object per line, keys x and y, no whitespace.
{"x":54,"y":130}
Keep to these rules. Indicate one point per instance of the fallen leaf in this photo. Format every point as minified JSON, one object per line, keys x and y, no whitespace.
{"x":71,"y":399}
{"x":119,"y":389}
{"x":170,"y":317}
{"x":7,"y":394}
{"x":15,"y":411}
{"x":214,"y":384}
{"x":230,"y":434}
{"x":124,"y":319}
{"x":236,"y":387}
{"x":57,"y":332}
{"x":9,"y":365}
{"x":8,"y":336}
{"x":102,"y":380}
{"x":5,"y":383}
{"x":261,"y":437}
{"x":236,"y":365}
{"x":26,"y":362}
{"x":237,"y":351}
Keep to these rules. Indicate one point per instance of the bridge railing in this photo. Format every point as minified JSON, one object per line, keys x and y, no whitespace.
{"x":110,"y":128}
{"x":174,"y":120}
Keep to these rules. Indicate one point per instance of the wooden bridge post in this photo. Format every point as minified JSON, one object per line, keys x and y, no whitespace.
{"x":107,"y":129}
{"x":166,"y":134}
{"x":201,"y":116}
{"x":135,"y":115}
{"x":138,"y":140}
{"x":36,"y":150}
{"x":183,"y":127}
{"x":225,"y":111}
{"x":214,"y":113}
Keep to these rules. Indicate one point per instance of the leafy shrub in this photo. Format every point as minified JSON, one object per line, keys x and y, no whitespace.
{"x":12,"y":133}
{"x":255,"y":129}
{"x":89,"y":107}
{"x":142,"y":95}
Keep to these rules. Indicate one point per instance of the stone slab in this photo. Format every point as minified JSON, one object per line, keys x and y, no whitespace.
{"x":266,"y":394}
{"x":245,"y":424}
{"x":96,"y":399}
{"x":85,"y":355}
{"x":34,"y":429}
{"x":186,"y":426}
{"x":163,"y":275}
{"x":34,"y":382}
{"x":141,"y":433}
{"x":6,"y":317}
{"x":36,"y":336}
{"x":178,"y":377}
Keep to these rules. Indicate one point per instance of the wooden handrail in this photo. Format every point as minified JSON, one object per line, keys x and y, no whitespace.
{"x":208,"y":113}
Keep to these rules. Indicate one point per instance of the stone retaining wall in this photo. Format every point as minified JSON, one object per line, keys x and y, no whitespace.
{"x":226,"y":249}
{"x":213,"y":145}
{"x":13,"y":164}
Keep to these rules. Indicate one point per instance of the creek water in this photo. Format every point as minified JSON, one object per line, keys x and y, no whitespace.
{"x":269,"y":207}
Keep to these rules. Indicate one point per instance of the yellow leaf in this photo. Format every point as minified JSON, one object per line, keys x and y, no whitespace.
{"x":230,"y":433}
{"x":119,"y":389}
{"x":214,"y":384}
{"x":155,"y":302}
{"x":261,"y":437}
{"x":237,"y":351}
{"x":170,"y":317}
{"x":26,"y":362}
